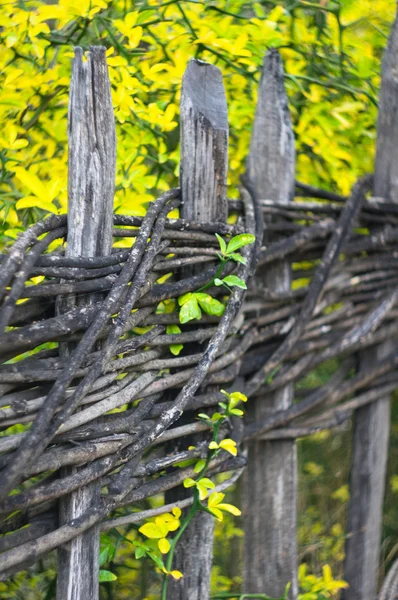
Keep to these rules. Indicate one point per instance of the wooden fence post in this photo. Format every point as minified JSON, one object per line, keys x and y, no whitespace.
{"x":203,"y":177}
{"x":91,"y":181}
{"x":269,"y":503}
{"x":372,"y":422}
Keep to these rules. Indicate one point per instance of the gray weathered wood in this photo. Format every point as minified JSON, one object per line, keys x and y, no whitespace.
{"x":372,"y":423}
{"x":389,"y":589}
{"x":203,"y":176}
{"x":204,"y":143}
{"x":386,"y":166}
{"x":269,"y":503}
{"x":91,"y":180}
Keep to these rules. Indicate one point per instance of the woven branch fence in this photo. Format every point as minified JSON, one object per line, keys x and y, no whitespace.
{"x":322,"y":282}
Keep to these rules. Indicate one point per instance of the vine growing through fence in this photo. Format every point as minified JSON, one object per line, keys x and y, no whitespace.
{"x":193,"y":303}
{"x":156,"y":531}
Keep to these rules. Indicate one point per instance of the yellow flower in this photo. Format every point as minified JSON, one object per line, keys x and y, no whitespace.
{"x":67,"y":10}
{"x":9,"y":140}
{"x":44,"y":192}
{"x":216,"y":506}
{"x":176,"y":574}
{"x":164,"y":545}
{"x":203,"y":485}
{"x":228,"y":445}
{"x":128,"y":28}
{"x":160,"y":527}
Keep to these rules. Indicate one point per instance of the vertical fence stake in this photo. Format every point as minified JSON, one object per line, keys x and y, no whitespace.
{"x":372,"y":423}
{"x":204,"y":151}
{"x":91,"y":181}
{"x":269,"y":502}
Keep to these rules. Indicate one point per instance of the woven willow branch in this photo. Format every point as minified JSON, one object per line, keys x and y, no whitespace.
{"x":343,"y":298}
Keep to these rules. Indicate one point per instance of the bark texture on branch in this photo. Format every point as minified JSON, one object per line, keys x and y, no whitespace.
{"x":91,"y":184}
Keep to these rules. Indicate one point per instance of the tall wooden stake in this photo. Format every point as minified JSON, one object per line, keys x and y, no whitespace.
{"x":270,"y":483}
{"x":91,"y":181}
{"x":372,"y":422}
{"x":204,"y":150}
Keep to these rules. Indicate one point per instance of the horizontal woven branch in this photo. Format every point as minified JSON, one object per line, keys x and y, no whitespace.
{"x":57,"y":411}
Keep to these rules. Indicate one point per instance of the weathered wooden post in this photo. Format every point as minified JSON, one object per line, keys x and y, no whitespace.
{"x":91,"y":181}
{"x":269,"y":503}
{"x":203,"y":176}
{"x":372,"y":422}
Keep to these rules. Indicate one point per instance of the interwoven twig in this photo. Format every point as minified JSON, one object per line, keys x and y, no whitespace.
{"x":343,"y":299}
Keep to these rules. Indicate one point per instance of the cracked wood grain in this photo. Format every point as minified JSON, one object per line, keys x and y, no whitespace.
{"x":204,"y":151}
{"x":91,"y":184}
{"x":270,"y":480}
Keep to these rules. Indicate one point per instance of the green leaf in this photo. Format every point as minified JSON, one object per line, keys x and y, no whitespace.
{"x":394,"y":484}
{"x":189,"y":482}
{"x":174,"y":348}
{"x":199,"y":465}
{"x":204,"y":416}
{"x":172,"y":329}
{"x":157,"y":560}
{"x":104,"y":556}
{"x":223,"y":245}
{"x":185,"y":463}
{"x":143,"y":16}
{"x":190,"y":310}
{"x":106,"y":576}
{"x":238,"y":258}
{"x":210,"y":305}
{"x":233,"y":280}
{"x":237,"y":412}
{"x":184,"y":298}
{"x":271,"y":376}
{"x":139,"y":552}
{"x":244,"y":239}
{"x":217,"y":417}
{"x":108,"y":549}
{"x":286,"y":594}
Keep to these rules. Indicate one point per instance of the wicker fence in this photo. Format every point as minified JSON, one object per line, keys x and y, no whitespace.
{"x":322,"y":283}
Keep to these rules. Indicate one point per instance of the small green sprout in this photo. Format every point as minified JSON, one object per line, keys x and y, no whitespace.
{"x":193,"y":303}
{"x":237,"y":242}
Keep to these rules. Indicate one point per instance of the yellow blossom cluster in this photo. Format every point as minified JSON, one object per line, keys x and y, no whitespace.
{"x":331,"y":52}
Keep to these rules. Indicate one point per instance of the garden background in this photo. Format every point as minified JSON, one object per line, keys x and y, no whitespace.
{"x":331,"y":51}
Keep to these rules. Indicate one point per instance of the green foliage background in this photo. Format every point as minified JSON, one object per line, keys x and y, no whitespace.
{"x":332,"y":52}
{"x":332,"y":56}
